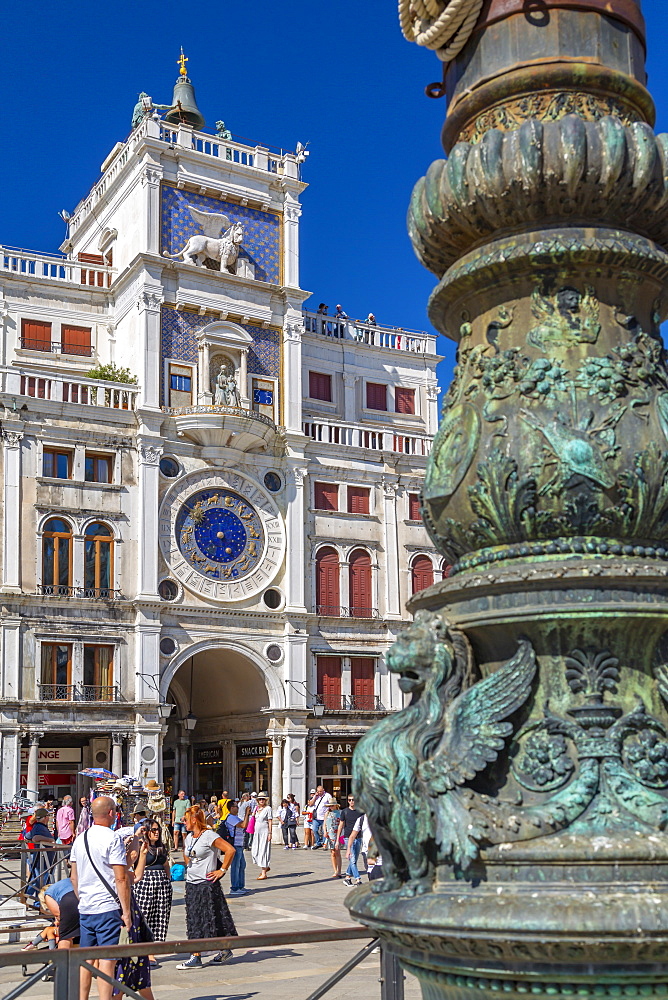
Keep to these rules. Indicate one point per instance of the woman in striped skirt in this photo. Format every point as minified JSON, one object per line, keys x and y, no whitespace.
{"x":152,"y":882}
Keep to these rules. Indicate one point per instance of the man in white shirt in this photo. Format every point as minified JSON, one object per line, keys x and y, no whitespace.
{"x":100,"y":880}
{"x":319,"y":801}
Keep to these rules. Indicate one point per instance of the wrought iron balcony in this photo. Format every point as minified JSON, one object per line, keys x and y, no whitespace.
{"x":336,"y":611}
{"x":56,"y":347}
{"x":86,"y":593}
{"x":78,"y":692}
{"x":350,"y":702}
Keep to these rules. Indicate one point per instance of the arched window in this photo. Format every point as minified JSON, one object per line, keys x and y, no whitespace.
{"x":359,"y":576}
{"x":98,"y":560}
{"x":327,"y":597}
{"x":422,"y":573}
{"x":57,"y":557}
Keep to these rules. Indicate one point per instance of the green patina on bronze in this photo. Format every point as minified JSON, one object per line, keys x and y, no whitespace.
{"x":521,"y":801}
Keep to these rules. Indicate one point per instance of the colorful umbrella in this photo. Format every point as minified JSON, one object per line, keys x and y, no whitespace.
{"x":98,"y":772}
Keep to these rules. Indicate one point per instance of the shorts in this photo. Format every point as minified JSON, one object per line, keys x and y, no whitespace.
{"x":100,"y":928}
{"x":179,"y":828}
{"x":69,"y":917}
{"x":308,"y":824}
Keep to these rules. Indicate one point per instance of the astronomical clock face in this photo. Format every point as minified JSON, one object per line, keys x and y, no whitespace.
{"x":222,"y":535}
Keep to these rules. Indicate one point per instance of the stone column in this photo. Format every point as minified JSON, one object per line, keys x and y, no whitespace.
{"x":32,"y":780}
{"x":229,"y":767}
{"x":117,"y":753}
{"x":151,"y":183}
{"x":311,"y":764}
{"x":11,"y":537}
{"x":294,"y":585}
{"x":349,"y":400}
{"x":276,"y":783}
{"x":148,"y":353}
{"x":11,"y":658}
{"x":291,"y":243}
{"x":149,"y":452}
{"x":10,"y":763}
{"x":392,"y":587}
{"x":292,"y":373}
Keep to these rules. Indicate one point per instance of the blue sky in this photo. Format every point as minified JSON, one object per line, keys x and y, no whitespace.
{"x":339,"y":76}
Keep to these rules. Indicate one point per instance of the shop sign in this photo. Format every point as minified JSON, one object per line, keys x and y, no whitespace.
{"x":209,"y":755}
{"x":335,"y":748}
{"x":49,"y":778}
{"x":54,"y":755}
{"x":252,"y":750}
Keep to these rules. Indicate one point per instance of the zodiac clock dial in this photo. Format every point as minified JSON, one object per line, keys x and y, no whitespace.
{"x":220,"y":534}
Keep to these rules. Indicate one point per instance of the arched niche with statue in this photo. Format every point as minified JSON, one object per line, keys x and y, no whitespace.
{"x":223,"y":351}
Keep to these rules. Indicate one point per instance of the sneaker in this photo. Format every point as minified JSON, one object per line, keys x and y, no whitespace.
{"x":221,"y":957}
{"x":294,"y":847}
{"x":358,"y":881}
{"x":348,"y":881}
{"x":194,"y":962}
{"x":286,"y":848}
{"x":236,"y":892}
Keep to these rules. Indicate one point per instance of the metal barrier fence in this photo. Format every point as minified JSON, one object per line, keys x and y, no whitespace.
{"x":65,"y":965}
{"x":31,"y":871}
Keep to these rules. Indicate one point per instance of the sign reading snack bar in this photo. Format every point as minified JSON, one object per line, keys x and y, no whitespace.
{"x":335,"y":748}
{"x":245,"y":750}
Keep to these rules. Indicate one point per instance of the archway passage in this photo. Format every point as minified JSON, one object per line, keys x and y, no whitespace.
{"x":216,"y":736}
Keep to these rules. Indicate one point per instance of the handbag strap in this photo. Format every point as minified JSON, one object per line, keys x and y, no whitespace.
{"x":99,"y":873}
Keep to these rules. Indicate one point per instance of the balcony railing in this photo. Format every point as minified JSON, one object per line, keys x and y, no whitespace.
{"x":54,"y":268}
{"x":25,"y":381}
{"x":229,"y":150}
{"x":350,"y":702}
{"x":56,"y":347}
{"x":355,"y":436}
{"x":395,"y":338}
{"x":336,"y":611}
{"x":78,"y":692}
{"x":86,"y":593}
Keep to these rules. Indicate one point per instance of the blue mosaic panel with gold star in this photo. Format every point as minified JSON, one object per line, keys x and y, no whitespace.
{"x":261,"y":243}
{"x":178,"y":330}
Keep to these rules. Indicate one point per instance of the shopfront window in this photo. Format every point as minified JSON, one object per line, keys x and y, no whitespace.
{"x":334,"y":760}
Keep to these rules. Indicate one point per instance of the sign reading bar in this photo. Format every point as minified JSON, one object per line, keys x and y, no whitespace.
{"x":54,"y":755}
{"x":335,"y":748}
{"x":252,"y":750}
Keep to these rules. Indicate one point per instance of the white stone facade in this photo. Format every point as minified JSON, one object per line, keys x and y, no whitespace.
{"x":161,"y":549}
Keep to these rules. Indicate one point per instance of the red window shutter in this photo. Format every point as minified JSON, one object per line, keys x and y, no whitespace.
{"x":359,"y":575}
{"x":35,"y":335}
{"x":326,"y":496}
{"x":320,"y":386}
{"x":329,"y":681}
{"x":376,"y":396}
{"x":76,"y":340}
{"x":414,"y":507}
{"x":358,"y":500}
{"x":422,"y":573}
{"x":362,"y":682}
{"x":327,"y":582}
{"x":404,"y":400}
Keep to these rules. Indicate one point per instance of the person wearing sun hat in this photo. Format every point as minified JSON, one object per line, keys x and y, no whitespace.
{"x":261,"y":849}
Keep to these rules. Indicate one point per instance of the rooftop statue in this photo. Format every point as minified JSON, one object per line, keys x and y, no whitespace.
{"x":222,"y":132}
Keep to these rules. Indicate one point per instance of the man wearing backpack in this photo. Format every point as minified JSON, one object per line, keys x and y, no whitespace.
{"x":233,"y":830}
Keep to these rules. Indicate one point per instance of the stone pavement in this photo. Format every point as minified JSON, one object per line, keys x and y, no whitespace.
{"x":298,"y":895}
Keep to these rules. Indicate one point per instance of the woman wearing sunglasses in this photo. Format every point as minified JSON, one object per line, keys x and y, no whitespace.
{"x":152,"y":885}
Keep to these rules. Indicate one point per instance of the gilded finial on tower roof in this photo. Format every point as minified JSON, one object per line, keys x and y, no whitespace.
{"x":182,"y":60}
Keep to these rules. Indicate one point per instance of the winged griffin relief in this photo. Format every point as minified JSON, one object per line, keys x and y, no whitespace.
{"x":221,"y":241}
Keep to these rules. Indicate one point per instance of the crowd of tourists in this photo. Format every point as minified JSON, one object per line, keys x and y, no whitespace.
{"x":122,"y":878}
